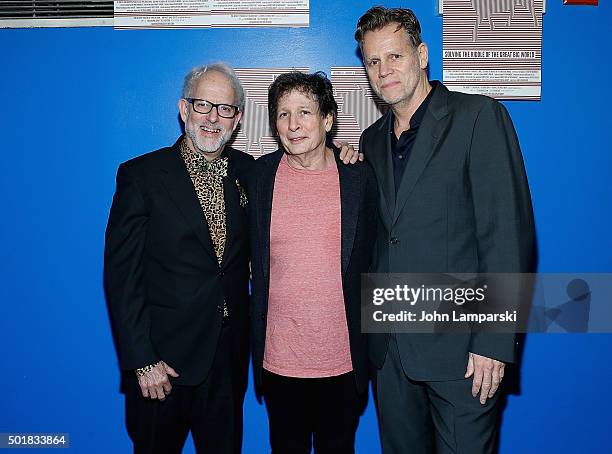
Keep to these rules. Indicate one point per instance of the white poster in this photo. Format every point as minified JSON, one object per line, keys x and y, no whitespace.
{"x":135,"y":14}
{"x":493,"y":47}
{"x":358,"y":105}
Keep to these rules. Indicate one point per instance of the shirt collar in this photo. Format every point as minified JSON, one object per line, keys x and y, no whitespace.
{"x":194,"y":159}
{"x":417,"y":116}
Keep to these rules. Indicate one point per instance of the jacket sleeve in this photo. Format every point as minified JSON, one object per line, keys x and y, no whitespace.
{"x":124,"y":252}
{"x":502,"y":211}
{"x":371,"y":210}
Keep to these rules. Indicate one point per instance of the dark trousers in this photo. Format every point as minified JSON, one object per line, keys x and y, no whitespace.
{"x":209,"y":410}
{"x":421,"y":417}
{"x":303,"y":410}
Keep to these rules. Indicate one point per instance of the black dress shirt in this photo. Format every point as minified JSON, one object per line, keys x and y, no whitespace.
{"x":401,"y":148}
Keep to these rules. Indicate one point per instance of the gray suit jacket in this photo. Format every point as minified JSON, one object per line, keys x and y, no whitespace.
{"x":463,"y":206}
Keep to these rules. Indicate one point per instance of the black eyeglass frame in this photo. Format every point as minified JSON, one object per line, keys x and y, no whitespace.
{"x":213,"y":105}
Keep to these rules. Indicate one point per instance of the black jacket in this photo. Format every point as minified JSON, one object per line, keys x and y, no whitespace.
{"x":165,"y":289}
{"x":358,"y":223}
{"x":463,"y":206}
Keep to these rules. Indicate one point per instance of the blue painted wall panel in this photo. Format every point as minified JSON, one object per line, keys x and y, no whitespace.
{"x":77,"y":102}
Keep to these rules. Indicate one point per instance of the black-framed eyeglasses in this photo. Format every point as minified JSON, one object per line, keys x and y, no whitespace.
{"x":203,"y":106}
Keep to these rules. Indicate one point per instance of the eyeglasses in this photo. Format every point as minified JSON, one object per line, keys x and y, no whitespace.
{"x":223,"y":110}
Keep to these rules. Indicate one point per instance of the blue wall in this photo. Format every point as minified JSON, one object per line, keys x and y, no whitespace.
{"x":77,"y":102}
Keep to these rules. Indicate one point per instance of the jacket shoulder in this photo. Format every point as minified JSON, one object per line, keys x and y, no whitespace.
{"x":364,"y":168}
{"x":265,"y":160}
{"x":376,"y":126}
{"x":238,"y":156}
{"x":471,"y":102}
{"x":147,"y":160}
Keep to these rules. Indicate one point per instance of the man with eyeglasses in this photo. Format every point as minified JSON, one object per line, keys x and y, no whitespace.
{"x":176,"y":276}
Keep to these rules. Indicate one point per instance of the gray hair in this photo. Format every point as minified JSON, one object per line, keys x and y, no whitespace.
{"x":197,"y":73}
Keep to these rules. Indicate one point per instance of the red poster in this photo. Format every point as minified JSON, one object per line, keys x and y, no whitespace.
{"x":581,"y":2}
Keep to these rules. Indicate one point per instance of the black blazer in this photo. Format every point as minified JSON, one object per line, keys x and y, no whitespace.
{"x":358,"y":203}
{"x":164,"y":286}
{"x":463,"y":206}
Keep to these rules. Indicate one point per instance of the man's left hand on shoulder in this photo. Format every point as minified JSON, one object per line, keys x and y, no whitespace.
{"x":348,"y":154}
{"x":488,"y":374}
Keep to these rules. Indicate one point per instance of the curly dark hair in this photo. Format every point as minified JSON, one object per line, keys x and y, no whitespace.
{"x":316,"y":85}
{"x":378,"y":17}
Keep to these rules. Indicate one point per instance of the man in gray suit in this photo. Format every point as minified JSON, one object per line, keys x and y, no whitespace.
{"x":453,"y":198}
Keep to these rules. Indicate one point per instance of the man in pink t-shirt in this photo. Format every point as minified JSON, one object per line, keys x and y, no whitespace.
{"x":312,"y":225}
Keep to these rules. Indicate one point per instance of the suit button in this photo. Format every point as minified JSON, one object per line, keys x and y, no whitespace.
{"x":220,"y":308}
{"x":393,"y":240}
{"x":263,"y":316}
{"x":221,"y":274}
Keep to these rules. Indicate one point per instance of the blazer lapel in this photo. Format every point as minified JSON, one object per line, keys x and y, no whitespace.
{"x":265,"y":190}
{"x":430,"y":131}
{"x":380,"y":158}
{"x":178,"y":183}
{"x":232,"y":210}
{"x":350,"y":199}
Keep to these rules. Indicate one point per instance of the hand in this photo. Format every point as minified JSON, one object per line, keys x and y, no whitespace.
{"x":488,"y":374}
{"x":155,"y":383}
{"x":348,"y":154}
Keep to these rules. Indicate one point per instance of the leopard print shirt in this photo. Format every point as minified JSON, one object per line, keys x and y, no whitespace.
{"x":209,"y":188}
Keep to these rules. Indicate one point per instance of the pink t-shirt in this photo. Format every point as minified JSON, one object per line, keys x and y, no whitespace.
{"x":307,"y":334}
